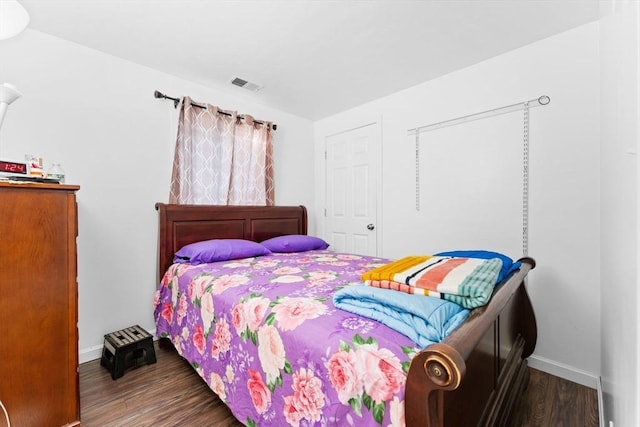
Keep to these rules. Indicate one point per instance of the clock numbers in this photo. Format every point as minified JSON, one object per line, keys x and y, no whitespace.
{"x":13,"y":167}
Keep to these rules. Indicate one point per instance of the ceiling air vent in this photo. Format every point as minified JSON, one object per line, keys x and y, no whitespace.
{"x":254,"y":87}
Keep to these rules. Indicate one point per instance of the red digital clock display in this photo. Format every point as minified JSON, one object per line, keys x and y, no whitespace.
{"x":13,"y":167}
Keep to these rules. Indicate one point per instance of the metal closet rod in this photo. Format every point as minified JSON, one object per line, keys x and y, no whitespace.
{"x":542,"y":100}
{"x":159,"y":95}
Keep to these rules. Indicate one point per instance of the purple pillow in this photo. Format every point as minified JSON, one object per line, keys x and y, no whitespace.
{"x":218,"y":250}
{"x":294,"y":243}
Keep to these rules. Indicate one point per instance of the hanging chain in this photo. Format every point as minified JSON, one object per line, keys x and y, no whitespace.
{"x":418,"y":171}
{"x":525,"y":182}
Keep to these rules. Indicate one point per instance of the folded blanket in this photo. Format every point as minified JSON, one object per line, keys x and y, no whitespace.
{"x":508,"y":266}
{"x":424,"y":320}
{"x":468,"y":281}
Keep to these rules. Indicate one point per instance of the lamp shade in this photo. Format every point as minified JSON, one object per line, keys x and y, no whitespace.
{"x":13,"y":18}
{"x":8,"y":94}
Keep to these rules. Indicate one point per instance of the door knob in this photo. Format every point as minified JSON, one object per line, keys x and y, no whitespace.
{"x":370,"y":227}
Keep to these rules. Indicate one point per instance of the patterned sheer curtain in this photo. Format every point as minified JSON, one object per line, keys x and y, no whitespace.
{"x":221,"y":158}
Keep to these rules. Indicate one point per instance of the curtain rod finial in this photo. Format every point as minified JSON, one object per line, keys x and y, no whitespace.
{"x":159,"y":95}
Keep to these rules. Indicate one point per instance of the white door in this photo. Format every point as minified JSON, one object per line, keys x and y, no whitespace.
{"x":352,"y":174}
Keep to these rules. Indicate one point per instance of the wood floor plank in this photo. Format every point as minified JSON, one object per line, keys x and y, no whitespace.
{"x":170,"y":393}
{"x":550,"y":401}
{"x":167,"y":393}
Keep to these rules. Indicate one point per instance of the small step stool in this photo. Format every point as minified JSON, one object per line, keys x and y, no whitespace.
{"x":129,"y":348}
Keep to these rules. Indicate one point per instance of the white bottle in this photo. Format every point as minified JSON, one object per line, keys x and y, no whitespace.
{"x":56,"y":172}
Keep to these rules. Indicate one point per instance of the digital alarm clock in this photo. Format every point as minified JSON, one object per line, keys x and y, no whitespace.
{"x":7,"y":166}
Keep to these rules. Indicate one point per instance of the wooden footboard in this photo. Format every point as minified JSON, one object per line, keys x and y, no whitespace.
{"x":477,"y":373}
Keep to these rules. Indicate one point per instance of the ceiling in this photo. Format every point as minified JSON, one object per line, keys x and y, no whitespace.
{"x":314,"y":58}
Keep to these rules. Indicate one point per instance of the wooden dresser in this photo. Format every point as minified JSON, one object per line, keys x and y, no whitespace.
{"x":39,"y":305}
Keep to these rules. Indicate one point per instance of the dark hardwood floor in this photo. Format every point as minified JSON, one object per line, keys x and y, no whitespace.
{"x":170,"y":393}
{"x":555,"y":402}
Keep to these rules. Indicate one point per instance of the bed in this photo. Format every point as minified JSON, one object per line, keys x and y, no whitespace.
{"x":473,"y":377}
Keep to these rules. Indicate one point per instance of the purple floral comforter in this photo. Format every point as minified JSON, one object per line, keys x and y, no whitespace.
{"x":264,"y":334}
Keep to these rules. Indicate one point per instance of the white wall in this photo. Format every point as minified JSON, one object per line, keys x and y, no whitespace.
{"x":620,"y":32}
{"x":564,"y":184}
{"x":96,"y":115}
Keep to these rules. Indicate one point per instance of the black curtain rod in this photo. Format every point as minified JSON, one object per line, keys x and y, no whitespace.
{"x":176,"y":101}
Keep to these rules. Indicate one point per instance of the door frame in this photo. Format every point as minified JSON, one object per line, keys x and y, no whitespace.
{"x":326,"y":129}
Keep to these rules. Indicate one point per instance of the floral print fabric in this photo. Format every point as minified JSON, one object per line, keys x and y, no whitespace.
{"x":265,"y":336}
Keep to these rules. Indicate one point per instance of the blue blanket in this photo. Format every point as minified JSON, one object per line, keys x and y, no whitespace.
{"x":422,"y":319}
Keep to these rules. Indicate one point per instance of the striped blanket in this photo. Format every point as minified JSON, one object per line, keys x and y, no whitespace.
{"x":468,"y":282}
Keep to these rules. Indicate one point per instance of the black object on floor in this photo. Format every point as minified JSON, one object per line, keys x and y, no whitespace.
{"x":128,"y":348}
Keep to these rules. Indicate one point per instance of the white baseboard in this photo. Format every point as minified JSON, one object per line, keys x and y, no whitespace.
{"x":600,"y":402}
{"x":89,"y":354}
{"x":564,"y":371}
{"x":93,"y":353}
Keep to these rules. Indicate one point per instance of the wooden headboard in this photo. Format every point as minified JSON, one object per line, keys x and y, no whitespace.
{"x":180,"y":225}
